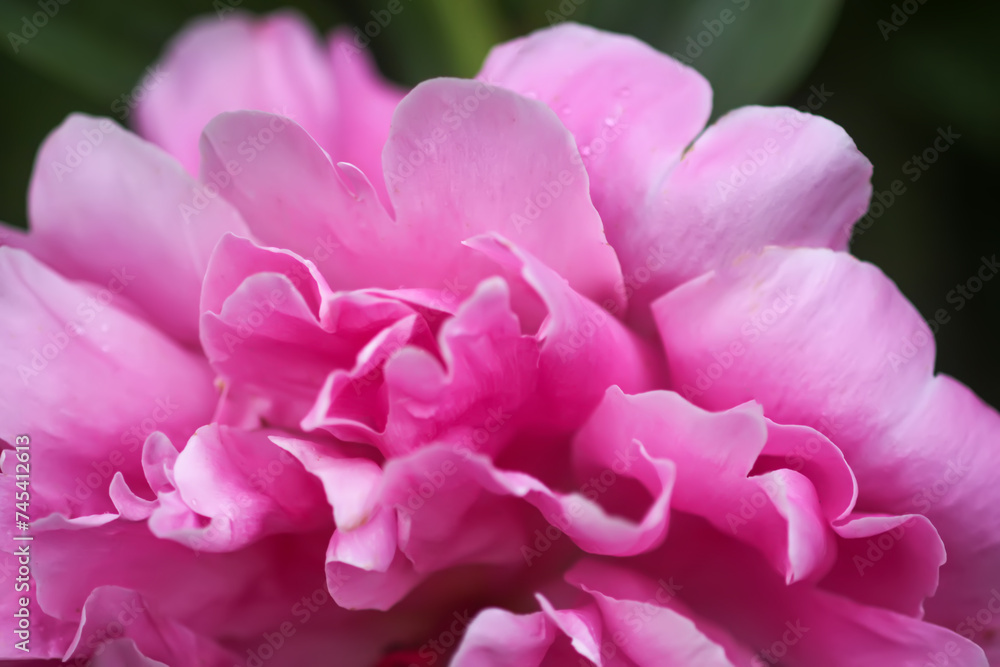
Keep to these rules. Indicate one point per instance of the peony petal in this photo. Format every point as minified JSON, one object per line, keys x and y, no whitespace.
{"x":123,"y":215}
{"x":777,"y":512}
{"x":758,"y":176}
{"x":583,"y":349}
{"x":240,"y":594}
{"x":365,"y":110}
{"x":489,"y":369}
{"x":777,"y":328}
{"x":244,"y":485}
{"x":112,"y":613}
{"x":274,"y":330}
{"x":274,"y":64}
{"x":787,"y":319}
{"x":808,"y":451}
{"x":732,"y":586}
{"x":88,"y":383}
{"x":631,"y":109}
{"x":293,"y":196}
{"x":887,"y":561}
{"x":499,"y":638}
{"x":364,"y":570}
{"x":350,"y":483}
{"x":541,"y":202}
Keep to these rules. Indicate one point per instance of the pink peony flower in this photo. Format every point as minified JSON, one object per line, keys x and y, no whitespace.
{"x":531,"y":369}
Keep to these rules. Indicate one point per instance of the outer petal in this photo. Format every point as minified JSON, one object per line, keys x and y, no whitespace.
{"x":365,"y":108}
{"x":273,"y":64}
{"x":241,"y":595}
{"x":510,"y":167}
{"x":631,"y":109}
{"x":501,"y":163}
{"x":87,"y":383}
{"x":758,"y":176}
{"x":109,"y":208}
{"x":778,"y":327}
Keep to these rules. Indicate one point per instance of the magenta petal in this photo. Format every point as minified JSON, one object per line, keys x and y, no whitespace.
{"x":159,"y":639}
{"x":887,"y":561}
{"x":778,"y":512}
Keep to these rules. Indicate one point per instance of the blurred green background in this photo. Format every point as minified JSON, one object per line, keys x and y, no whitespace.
{"x":894,"y":74}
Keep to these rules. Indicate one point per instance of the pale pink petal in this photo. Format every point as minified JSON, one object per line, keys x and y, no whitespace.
{"x":499,"y":638}
{"x":489,"y":371}
{"x":584,"y":349}
{"x":274,"y":330}
{"x":235,"y":488}
{"x":758,"y":176}
{"x":631,"y":109}
{"x":917,"y":444}
{"x":293,"y":196}
{"x":365,"y":107}
{"x":275,"y":64}
{"x":88,"y":383}
{"x":112,"y":209}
